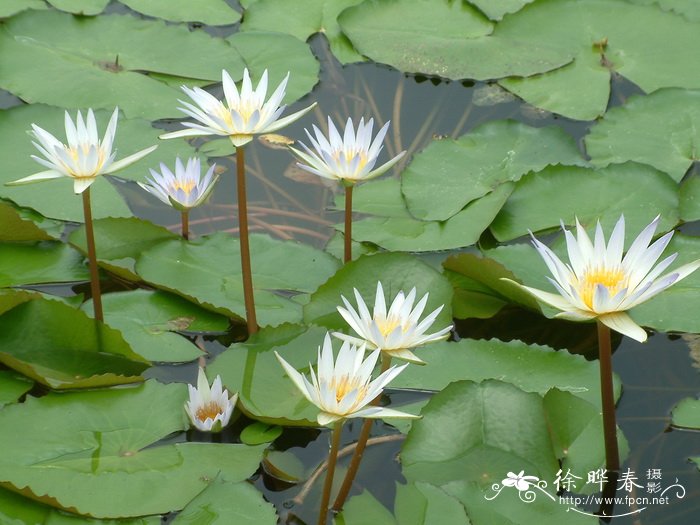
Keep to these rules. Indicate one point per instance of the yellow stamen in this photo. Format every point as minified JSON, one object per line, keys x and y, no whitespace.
{"x":614,"y":279}
{"x":345,"y":385}
{"x":210,"y":410}
{"x":387,"y":326}
{"x":184,"y":185}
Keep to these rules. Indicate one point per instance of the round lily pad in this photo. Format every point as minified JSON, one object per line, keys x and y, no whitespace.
{"x":208,"y":271}
{"x":448,"y":39}
{"x":643,"y":44}
{"x":95,"y":453}
{"x":661,"y":129}
{"x":449,"y":173}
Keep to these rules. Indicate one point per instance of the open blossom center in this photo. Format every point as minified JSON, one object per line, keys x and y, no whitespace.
{"x":346,"y":384}
{"x":614,"y":279}
{"x":209,"y":411}
{"x":388,"y":325}
{"x":184,"y":185}
{"x":82,"y":151}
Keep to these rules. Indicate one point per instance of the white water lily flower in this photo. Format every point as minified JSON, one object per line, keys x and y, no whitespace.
{"x":185,"y":188}
{"x":84,"y":157}
{"x":209,"y":409}
{"x":396,"y":331}
{"x":599,"y":283}
{"x":244,"y":114}
{"x":349,"y":158}
{"x":344,"y":389}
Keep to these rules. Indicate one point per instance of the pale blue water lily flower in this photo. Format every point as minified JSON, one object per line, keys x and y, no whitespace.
{"x":243,"y":115}
{"x":350,"y":158}
{"x":599,"y":283}
{"x":209,"y":409}
{"x":184,"y":189}
{"x":343,"y":389}
{"x":84,"y":157}
{"x":395,"y":331}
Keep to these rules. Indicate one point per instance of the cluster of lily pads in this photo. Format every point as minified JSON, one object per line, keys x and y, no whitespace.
{"x":454,"y":224}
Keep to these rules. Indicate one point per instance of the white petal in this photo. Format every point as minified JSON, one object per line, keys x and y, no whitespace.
{"x":123,"y":163}
{"x":81,"y":184}
{"x":42,"y":175}
{"x":622,"y":323}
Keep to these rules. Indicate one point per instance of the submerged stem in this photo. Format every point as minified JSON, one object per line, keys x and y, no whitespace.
{"x":245,"y":246}
{"x":185,"y":224}
{"x":359,"y":448}
{"x":330,"y":471}
{"x":612,"y":456}
{"x":92,"y":257}
{"x":347,"y":233}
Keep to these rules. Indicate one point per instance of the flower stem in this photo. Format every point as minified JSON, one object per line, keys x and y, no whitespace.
{"x":185,"y":224}
{"x":330,"y":471}
{"x":347,"y":233}
{"x":92,"y":257}
{"x":359,"y":448}
{"x":245,"y":246}
{"x":612,"y":456}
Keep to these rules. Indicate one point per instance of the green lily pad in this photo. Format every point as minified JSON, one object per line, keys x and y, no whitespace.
{"x":364,"y":509}
{"x":687,"y":8}
{"x":161,"y":47}
{"x":479,"y":290}
{"x":449,"y":174}
{"x":80,"y":7}
{"x":532,"y":368}
{"x":217,"y":148}
{"x":284,"y":465}
{"x":223,"y":502}
{"x":18,"y":510}
{"x":466,"y":434}
{"x":577,"y":432}
{"x":104,"y":73}
{"x":307,"y":18}
{"x":134,"y":93}
{"x":12,"y":7}
{"x":559,"y":193}
{"x":401,"y":232}
{"x":448,"y":39}
{"x":93,"y":452}
{"x":508,"y":507}
{"x":643,"y":44}
{"x":661,"y":129}
{"x":209,"y":12}
{"x":422,"y":503}
{"x":258,"y":433}
{"x":15,"y":225}
{"x":497,"y":9}
{"x":12,"y":387}
{"x":280,"y":54}
{"x":42,"y":262}
{"x":395,"y":271}
{"x":687,"y":413}
{"x":89,"y":354}
{"x":472,"y":298}
{"x":55,"y":198}
{"x":264,"y":390}
{"x":689,"y":206}
{"x":149,"y":319}
{"x":207,"y":270}
{"x":120,"y":241}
